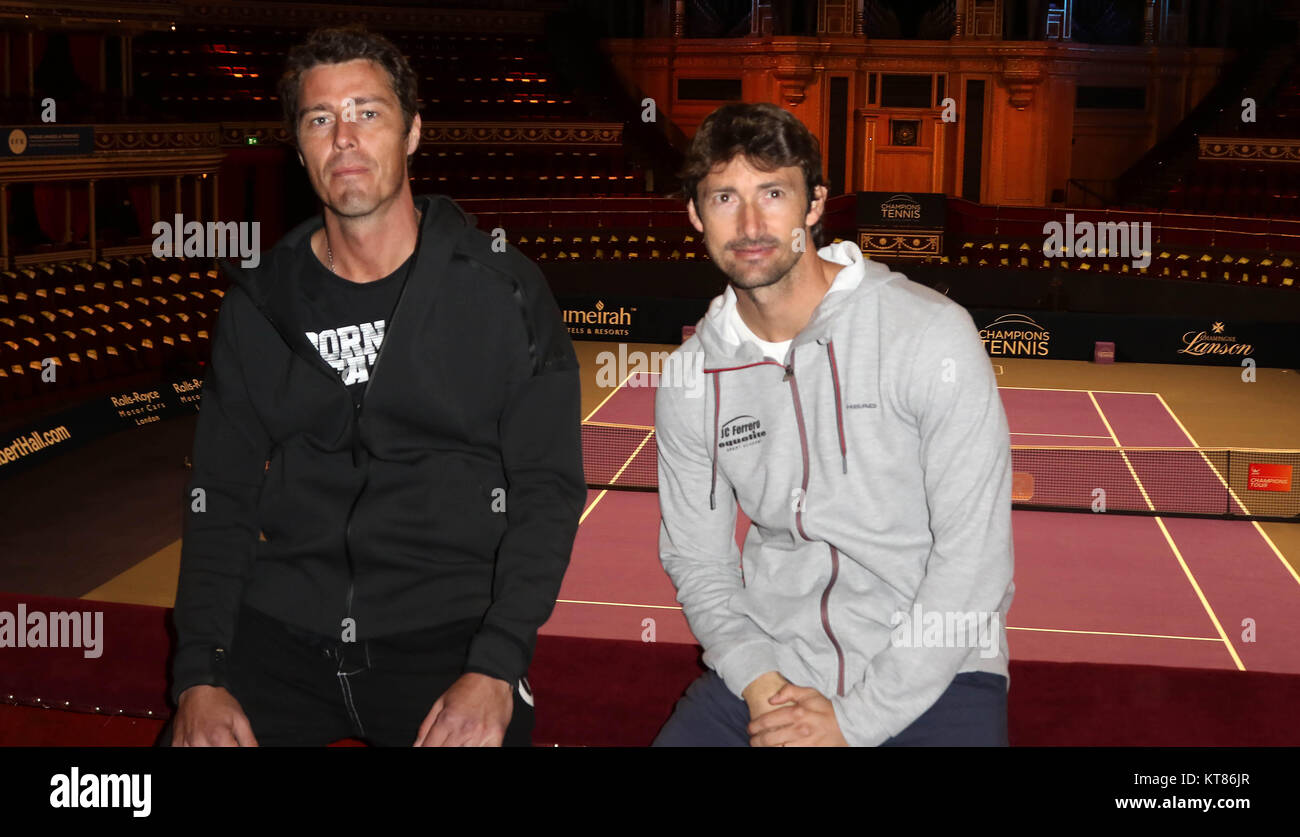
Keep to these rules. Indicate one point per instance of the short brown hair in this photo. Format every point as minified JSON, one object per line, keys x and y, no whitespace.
{"x":768,"y":136}
{"x":340,"y":44}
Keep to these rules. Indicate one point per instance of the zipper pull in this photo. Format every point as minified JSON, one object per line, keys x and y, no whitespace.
{"x":789,"y":372}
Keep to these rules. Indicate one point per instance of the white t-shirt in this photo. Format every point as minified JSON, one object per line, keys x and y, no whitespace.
{"x":776,"y":351}
{"x":846,"y":280}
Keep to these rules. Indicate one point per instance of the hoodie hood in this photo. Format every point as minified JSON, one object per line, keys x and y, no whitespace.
{"x":725,"y":348}
{"x":726,"y":351}
{"x":263,"y":284}
{"x":274,"y":288}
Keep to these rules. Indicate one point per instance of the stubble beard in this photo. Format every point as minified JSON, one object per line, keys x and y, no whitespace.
{"x":358,"y":202}
{"x":354,"y":202}
{"x":750,"y":280}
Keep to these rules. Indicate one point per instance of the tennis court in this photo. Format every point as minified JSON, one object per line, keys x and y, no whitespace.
{"x":1090,"y":587}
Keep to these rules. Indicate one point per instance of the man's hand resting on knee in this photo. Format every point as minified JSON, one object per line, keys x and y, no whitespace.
{"x":474,"y":712}
{"x":756,"y":694}
{"x":209,"y":716}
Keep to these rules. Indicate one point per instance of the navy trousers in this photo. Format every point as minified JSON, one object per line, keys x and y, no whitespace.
{"x":972,"y":712}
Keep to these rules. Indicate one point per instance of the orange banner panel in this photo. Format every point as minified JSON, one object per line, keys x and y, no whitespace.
{"x":1264,"y":477}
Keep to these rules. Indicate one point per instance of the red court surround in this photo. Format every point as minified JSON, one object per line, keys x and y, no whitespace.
{"x":599,"y":692}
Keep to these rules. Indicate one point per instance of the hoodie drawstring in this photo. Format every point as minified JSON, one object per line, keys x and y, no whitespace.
{"x":717,"y":410}
{"x":839,"y":411}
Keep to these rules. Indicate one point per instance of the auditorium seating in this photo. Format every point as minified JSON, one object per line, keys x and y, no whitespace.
{"x":230,"y":73}
{"x":207,"y":73}
{"x":1188,"y":247}
{"x":99,"y":323}
{"x":468,"y":172}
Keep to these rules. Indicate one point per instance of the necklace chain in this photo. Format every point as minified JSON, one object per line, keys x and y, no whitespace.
{"x":329,"y":251}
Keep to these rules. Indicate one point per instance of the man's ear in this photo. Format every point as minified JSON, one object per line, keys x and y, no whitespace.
{"x":817,"y":207}
{"x":413,"y":137}
{"x":694,"y":216}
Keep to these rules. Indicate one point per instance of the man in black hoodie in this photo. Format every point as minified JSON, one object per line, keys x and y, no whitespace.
{"x":371,"y":555}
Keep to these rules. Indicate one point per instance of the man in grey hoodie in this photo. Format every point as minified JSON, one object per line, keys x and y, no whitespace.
{"x":854,"y":417}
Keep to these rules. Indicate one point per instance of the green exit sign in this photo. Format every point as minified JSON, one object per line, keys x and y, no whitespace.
{"x":251,"y":140}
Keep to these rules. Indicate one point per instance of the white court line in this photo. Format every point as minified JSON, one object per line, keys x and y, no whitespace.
{"x":1187,"y":571}
{"x":1260,"y":529}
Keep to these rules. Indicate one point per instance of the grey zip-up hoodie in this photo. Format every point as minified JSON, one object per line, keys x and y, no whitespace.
{"x":875,"y":465}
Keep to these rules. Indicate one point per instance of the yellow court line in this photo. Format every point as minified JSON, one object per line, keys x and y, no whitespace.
{"x":1201,"y":595}
{"x":1208,"y":463}
{"x":620,"y":471}
{"x":1061,"y":435}
{"x":1187,"y":571}
{"x":607,"y":397}
{"x":1124,"y":456}
{"x":1260,"y":529}
{"x":1097,"y":633}
{"x":618,"y":604}
{"x":619,"y":424}
{"x":1276,"y":551}
{"x":1102,"y":391}
{"x":1177,"y":420}
{"x":1116,"y":633}
{"x":614,"y":479}
{"x":587,"y":510}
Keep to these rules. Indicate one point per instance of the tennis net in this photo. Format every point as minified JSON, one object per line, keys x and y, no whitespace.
{"x":1228,"y":483}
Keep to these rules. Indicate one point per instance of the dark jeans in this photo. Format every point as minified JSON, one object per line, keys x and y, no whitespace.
{"x":301,"y":689}
{"x":972,"y":712}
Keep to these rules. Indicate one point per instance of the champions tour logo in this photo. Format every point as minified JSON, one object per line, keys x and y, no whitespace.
{"x":741,"y":431}
{"x":1016,"y":335}
{"x":599,"y":320}
{"x":1198,"y":343}
{"x":901,"y":208}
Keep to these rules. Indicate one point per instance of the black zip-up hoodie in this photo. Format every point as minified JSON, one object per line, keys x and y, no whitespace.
{"x":452,"y":494}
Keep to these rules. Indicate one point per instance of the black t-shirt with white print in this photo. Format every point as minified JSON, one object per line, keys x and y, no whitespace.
{"x":346,"y":320}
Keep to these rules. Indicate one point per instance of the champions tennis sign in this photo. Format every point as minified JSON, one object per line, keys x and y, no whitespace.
{"x":1016,"y":335}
